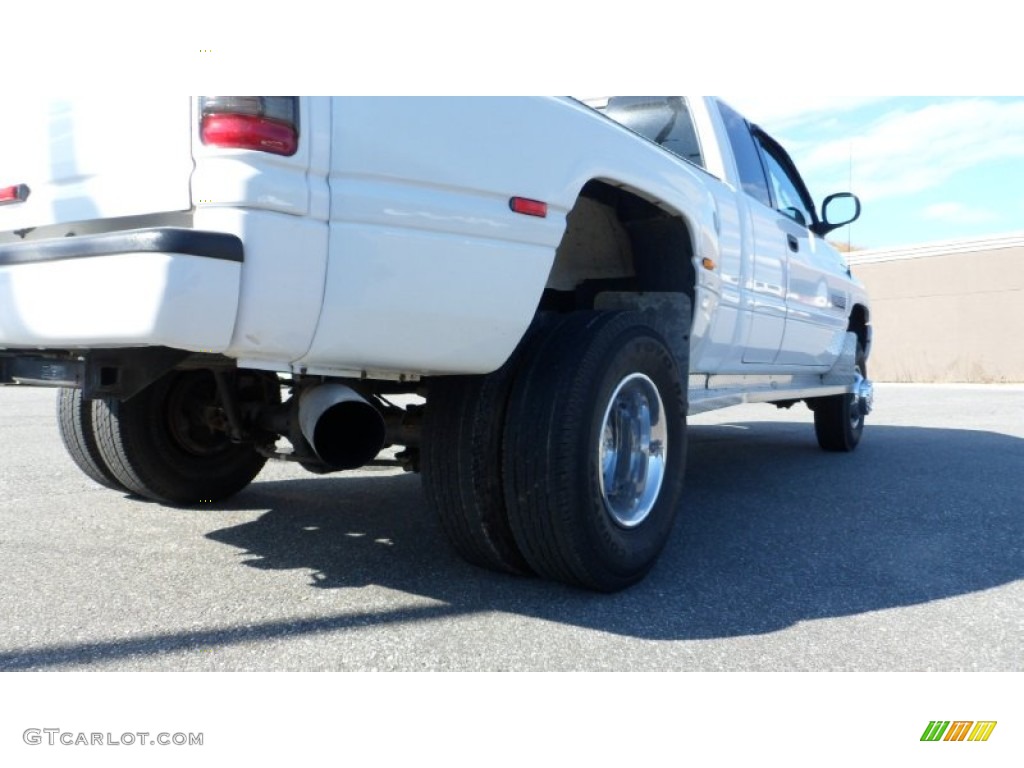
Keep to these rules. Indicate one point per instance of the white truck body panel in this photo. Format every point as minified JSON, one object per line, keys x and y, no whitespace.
{"x":92,"y":158}
{"x":278,"y":206}
{"x":385,"y":246}
{"x":281,"y":282}
{"x":421,"y":199}
{"x":153,"y":299}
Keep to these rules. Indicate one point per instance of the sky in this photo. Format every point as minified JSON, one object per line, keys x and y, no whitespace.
{"x":925,"y":168}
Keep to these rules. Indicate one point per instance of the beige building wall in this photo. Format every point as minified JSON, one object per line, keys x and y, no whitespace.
{"x":946,"y":312}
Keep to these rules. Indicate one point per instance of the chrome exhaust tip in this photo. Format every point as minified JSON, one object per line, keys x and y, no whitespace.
{"x":344,"y":429}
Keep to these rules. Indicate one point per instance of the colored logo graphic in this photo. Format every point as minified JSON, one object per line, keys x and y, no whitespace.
{"x":959,"y":730}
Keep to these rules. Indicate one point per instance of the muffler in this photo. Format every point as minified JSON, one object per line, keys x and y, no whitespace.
{"x":343,"y":429}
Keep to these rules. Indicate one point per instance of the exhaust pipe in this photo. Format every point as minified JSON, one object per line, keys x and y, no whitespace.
{"x":344,"y":430}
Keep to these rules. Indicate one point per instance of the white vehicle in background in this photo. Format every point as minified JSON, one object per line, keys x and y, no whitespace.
{"x":562,"y":282}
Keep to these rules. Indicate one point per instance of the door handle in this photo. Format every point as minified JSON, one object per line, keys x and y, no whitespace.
{"x":794,"y":244}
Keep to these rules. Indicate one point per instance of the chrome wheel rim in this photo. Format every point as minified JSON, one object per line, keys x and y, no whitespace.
{"x":860,"y":399}
{"x":632,"y":449}
{"x":864,"y":391}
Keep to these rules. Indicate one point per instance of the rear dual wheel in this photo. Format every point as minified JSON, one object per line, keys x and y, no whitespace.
{"x":569,"y":461}
{"x":168,"y":442}
{"x":463,"y":479}
{"x":595,"y":451}
{"x":461,"y":468}
{"x":75,"y":424}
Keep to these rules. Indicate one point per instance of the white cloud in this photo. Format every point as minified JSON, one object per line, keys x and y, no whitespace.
{"x":957,"y":213}
{"x":776,"y":113}
{"x":906,"y":152}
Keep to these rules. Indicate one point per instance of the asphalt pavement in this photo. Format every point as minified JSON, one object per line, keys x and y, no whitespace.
{"x":906,"y":555}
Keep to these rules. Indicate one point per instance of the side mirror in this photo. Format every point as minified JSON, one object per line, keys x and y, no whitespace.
{"x":838,"y":210}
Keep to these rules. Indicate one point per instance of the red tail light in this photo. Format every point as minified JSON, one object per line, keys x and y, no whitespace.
{"x":529,"y":207}
{"x":16,"y":194}
{"x":262,"y":123}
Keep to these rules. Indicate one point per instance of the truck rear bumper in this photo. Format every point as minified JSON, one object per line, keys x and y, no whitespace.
{"x":164,"y":286}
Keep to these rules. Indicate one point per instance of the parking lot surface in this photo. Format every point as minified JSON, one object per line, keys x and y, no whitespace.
{"x":906,"y":555}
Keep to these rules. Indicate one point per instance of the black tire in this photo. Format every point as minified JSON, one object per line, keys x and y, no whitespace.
{"x":838,"y":420}
{"x":158,"y":444}
{"x":75,"y":423}
{"x":461,"y":468}
{"x":555,"y":439}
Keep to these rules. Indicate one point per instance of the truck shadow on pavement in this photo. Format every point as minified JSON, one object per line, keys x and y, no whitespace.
{"x":773,"y":532}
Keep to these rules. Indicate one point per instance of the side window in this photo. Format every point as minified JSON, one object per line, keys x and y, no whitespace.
{"x":748,"y":157}
{"x":789,"y":200}
{"x":665,"y":120}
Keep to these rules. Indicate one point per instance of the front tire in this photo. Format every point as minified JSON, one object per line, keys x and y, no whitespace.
{"x":595,"y":451}
{"x":839,"y":419}
{"x":160,"y":443}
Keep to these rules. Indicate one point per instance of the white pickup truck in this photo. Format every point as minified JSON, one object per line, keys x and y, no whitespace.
{"x":561,"y":281}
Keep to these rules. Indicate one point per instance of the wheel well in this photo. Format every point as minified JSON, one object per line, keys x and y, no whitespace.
{"x":616,"y":240}
{"x":859,"y":324}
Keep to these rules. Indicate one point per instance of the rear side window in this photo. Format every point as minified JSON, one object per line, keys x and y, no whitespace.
{"x":665,"y":120}
{"x":748,"y":158}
